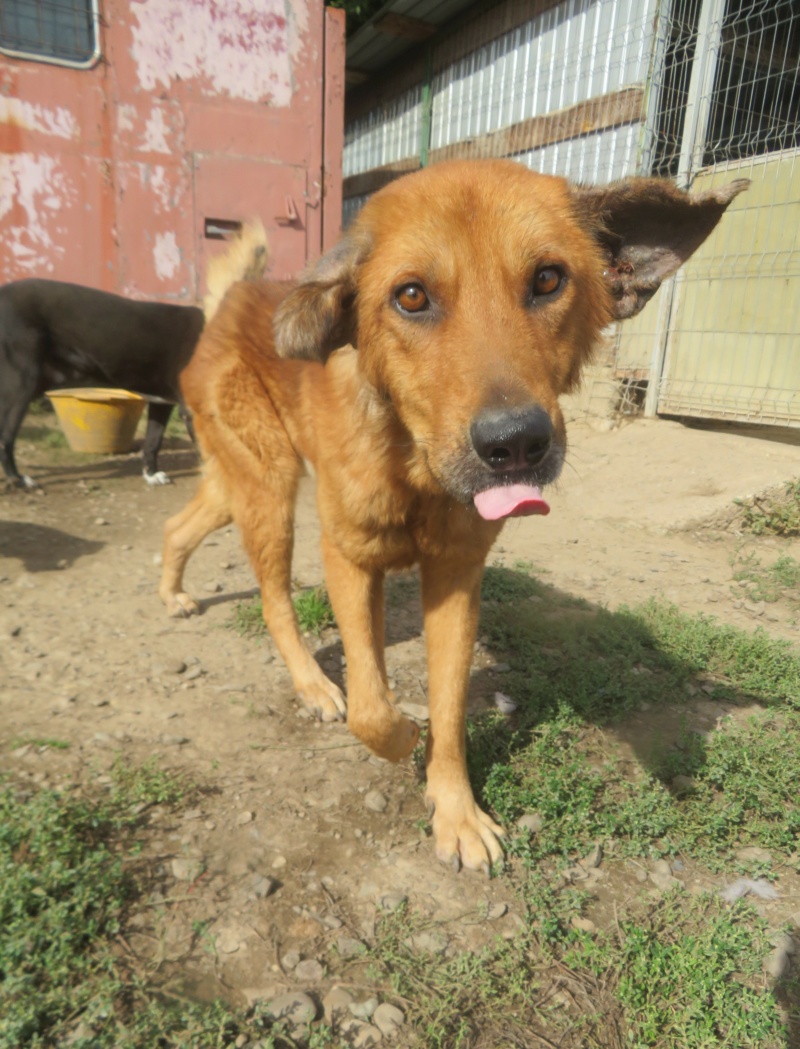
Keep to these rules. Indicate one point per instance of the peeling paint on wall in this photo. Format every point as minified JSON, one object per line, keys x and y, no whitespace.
{"x":34,"y":183}
{"x":166,"y":255}
{"x":59,"y":121}
{"x":155,"y":133}
{"x":240,"y":48}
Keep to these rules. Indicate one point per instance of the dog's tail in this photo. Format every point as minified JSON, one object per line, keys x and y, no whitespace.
{"x":245,"y":258}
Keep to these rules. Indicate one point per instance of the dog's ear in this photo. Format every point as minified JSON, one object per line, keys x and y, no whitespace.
{"x":648,"y":228}
{"x":318,"y":315}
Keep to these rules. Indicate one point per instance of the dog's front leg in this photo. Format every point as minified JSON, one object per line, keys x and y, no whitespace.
{"x":356,"y":594}
{"x":464,"y":834}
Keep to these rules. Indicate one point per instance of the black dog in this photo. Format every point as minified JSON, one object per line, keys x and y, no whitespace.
{"x":55,"y":335}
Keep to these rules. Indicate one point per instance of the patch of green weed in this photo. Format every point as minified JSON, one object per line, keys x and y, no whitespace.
{"x":773,"y":514}
{"x":37,"y":741}
{"x":768,"y":582}
{"x":313,"y":607}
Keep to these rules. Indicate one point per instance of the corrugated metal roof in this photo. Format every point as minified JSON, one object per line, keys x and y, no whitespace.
{"x":384,"y":38}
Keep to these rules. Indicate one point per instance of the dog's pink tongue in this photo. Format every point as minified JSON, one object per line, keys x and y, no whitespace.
{"x":511,"y":500}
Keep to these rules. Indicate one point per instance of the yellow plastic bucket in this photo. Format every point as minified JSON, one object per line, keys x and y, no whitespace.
{"x":97,"y":420}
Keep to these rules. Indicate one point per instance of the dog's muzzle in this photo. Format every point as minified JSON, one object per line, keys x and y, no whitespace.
{"x":513,"y":443}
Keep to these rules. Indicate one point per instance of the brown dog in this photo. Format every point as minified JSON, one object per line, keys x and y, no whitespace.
{"x":461,"y":304}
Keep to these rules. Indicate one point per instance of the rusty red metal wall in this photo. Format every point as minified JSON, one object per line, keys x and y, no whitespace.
{"x":198,"y":110}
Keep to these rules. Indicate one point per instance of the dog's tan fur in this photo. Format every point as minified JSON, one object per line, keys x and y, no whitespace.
{"x":385,"y":419}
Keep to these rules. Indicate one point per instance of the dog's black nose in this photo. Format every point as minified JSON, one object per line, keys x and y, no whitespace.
{"x":512,"y":439}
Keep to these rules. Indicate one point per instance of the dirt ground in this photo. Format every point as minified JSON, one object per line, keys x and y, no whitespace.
{"x":285,"y":857}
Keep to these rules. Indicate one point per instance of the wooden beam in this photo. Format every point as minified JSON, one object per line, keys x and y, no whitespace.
{"x":595,"y":114}
{"x":405,"y":28}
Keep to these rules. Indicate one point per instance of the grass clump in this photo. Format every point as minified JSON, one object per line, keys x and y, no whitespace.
{"x":774,"y":513}
{"x":768,"y":583}
{"x":312,"y":605}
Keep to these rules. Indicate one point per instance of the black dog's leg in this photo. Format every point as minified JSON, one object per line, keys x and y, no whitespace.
{"x":16,"y":392}
{"x":158,"y":414}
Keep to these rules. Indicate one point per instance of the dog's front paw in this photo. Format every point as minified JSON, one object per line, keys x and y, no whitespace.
{"x":384,"y":730}
{"x":464,"y":834}
{"x":180,"y":605}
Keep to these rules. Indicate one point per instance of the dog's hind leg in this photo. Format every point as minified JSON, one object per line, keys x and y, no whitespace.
{"x":267,"y":525}
{"x":17,"y":389}
{"x":183,"y":533}
{"x":158,"y":415}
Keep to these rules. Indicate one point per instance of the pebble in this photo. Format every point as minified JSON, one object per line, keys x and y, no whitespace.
{"x":392,"y":901}
{"x":388,"y":1018}
{"x":434,"y":942}
{"x":363,"y":1010}
{"x":361,"y":1035}
{"x":375,"y":801}
{"x":662,"y":877}
{"x":594,"y":858}
{"x":212,"y":588}
{"x":278,"y":863}
{"x":290,"y":960}
{"x":173,"y":741}
{"x":496,"y":910}
{"x":244,"y":818}
{"x":417,"y":711}
{"x":348,"y":947}
{"x":505,"y":704}
{"x":170,"y":666}
{"x":229,"y":939}
{"x":778,"y":960}
{"x":310,"y":971}
{"x":298,"y":1008}
{"x":335,"y":1001}
{"x":184,"y":869}
{"x":753,"y":854}
{"x":532,"y":822}
{"x":264,"y":886}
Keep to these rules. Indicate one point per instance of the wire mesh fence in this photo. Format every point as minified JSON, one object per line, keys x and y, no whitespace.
{"x":696,"y":90}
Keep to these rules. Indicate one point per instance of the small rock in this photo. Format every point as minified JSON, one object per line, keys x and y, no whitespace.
{"x":753,"y":854}
{"x":278,"y":863}
{"x":531,"y":822}
{"x":417,"y":711}
{"x":102,"y":702}
{"x":361,"y":1035}
{"x":173,"y":741}
{"x":184,"y":869}
{"x":583,"y":924}
{"x":682,"y":785}
{"x":335,"y":1001}
{"x":496,"y":910}
{"x":505,"y":704}
{"x":295,"y":1007}
{"x":264,"y":886}
{"x":662,"y":877}
{"x":388,"y":1018}
{"x":309,"y":971}
{"x":212,"y":588}
{"x":375,"y":801}
{"x":594,"y":858}
{"x":432,"y":942}
{"x":349,"y":947}
{"x":100,"y":521}
{"x":363,"y":1010}
{"x":244,"y":818}
{"x":229,"y":939}
{"x":193,"y":814}
{"x":290,"y":960}
{"x":778,"y":960}
{"x":170,"y":666}
{"x":330,"y":921}
{"x":392,"y":901}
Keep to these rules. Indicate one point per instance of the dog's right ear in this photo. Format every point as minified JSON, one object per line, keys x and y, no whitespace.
{"x":319,"y":315}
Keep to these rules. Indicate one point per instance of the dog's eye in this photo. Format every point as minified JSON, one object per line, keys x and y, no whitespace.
{"x":411,"y":298}
{"x":547,"y":281}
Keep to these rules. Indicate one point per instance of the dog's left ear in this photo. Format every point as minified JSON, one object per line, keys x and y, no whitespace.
{"x":318,"y":316}
{"x":648,"y":228}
